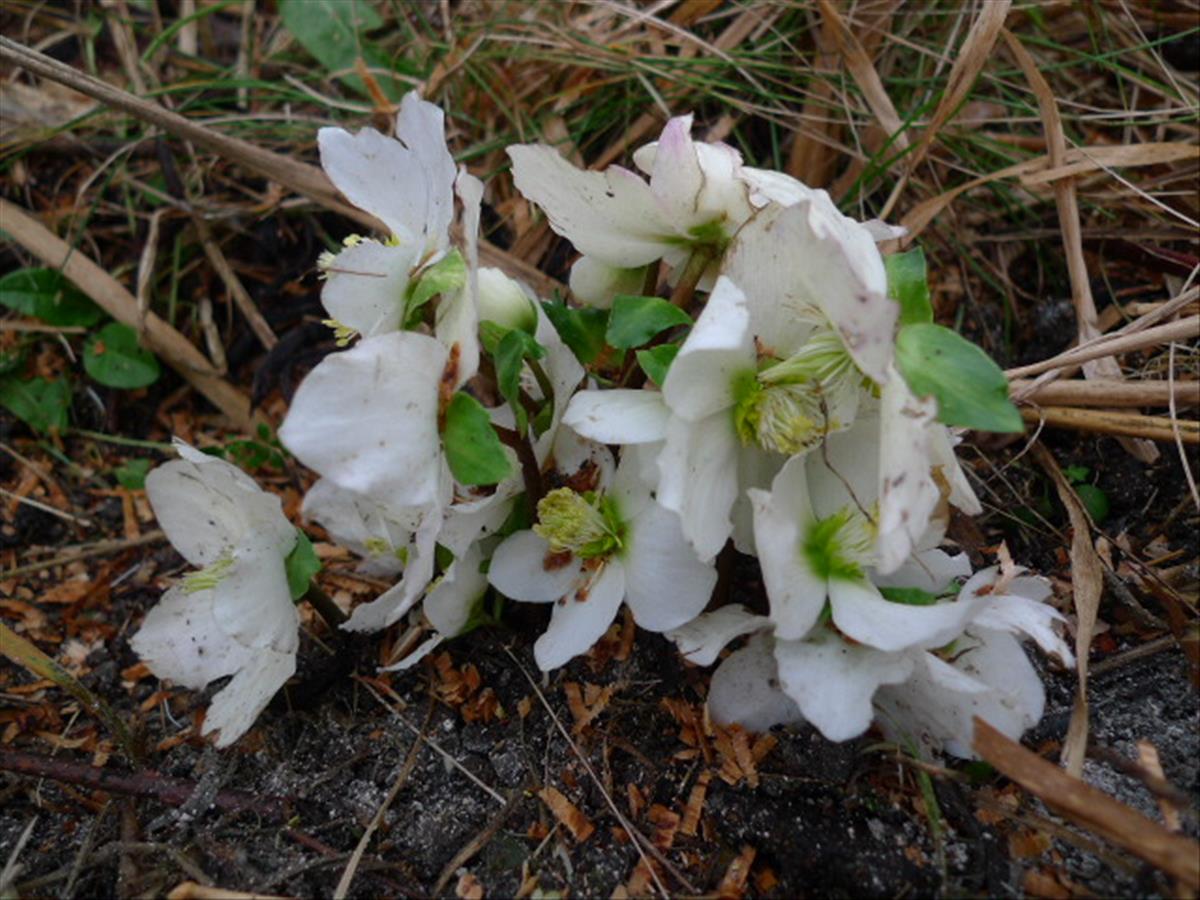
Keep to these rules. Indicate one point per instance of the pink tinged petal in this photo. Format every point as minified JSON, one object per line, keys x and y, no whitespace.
{"x":253,"y":605}
{"x":833,"y":682}
{"x":594,"y":283}
{"x":366,"y":418}
{"x":745,"y":691}
{"x":694,"y":468}
{"x":365,"y":285}
{"x":908,"y":495}
{"x":421,"y":127}
{"x":180,"y":641}
{"x":235,"y":707}
{"x":611,"y":215}
{"x":665,"y":584}
{"x":861,"y":612}
{"x":581,"y":618}
{"x":208,"y":507}
{"x":619,"y":416}
{"x":797,"y":594}
{"x":930,"y":570}
{"x":990,"y":678}
{"x":701,"y":640}
{"x":676,"y":179}
{"x":524,"y":568}
{"x":718,"y":349}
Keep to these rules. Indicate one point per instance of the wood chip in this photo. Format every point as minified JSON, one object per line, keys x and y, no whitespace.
{"x":695,"y":804}
{"x":567,"y":813}
{"x":666,"y":824}
{"x":733,"y":883}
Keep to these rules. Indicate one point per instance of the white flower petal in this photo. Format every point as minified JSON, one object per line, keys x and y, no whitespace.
{"x":393,"y":603}
{"x":991,"y":678}
{"x":180,"y":641}
{"x":423,"y":649}
{"x":676,"y":179}
{"x":665,"y":584}
{"x":523,"y":568}
{"x":365,"y":285}
{"x":718,"y":349}
{"x":581,"y":618}
{"x":367,"y":528}
{"x":594,"y":283}
{"x":744,"y":691}
{"x":701,"y":640}
{"x":457,"y":322}
{"x":796,"y":592}
{"x":420,"y":125}
{"x":207,"y":507}
{"x":941,"y":452}
{"x":618,"y":416}
{"x":929,"y":570}
{"x":695,"y":467}
{"x":610,"y":215}
{"x":864,"y":615}
{"x":366,"y":418}
{"x":846,"y":471}
{"x":833,"y":682}
{"x":767,"y":186}
{"x":235,"y":707}
{"x":448,"y":605}
{"x":253,"y":605}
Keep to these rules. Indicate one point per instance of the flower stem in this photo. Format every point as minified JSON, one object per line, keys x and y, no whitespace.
{"x":324,"y":605}
{"x":689,"y":277}
{"x":531,"y":473}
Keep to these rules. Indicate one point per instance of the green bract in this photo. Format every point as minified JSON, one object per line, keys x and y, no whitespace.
{"x":970,"y":389}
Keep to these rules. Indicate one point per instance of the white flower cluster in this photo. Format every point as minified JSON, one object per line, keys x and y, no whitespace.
{"x":463,"y":446}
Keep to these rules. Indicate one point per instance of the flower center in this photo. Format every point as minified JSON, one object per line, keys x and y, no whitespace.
{"x":209,"y":577}
{"x":586,"y":524}
{"x":840,"y":545}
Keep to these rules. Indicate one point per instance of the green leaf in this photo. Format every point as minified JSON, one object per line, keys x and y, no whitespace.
{"x":332,"y":30}
{"x":302,"y":565}
{"x":635,"y":320}
{"x":1094,"y":500}
{"x":112,"y":357}
{"x":445,"y":276}
{"x":131,"y":474}
{"x":473,"y":449}
{"x":40,"y":404}
{"x":909,"y":596}
{"x":908,"y":285}
{"x":45,"y":293}
{"x":970,"y":388}
{"x":656,"y":361}
{"x":1076,"y":474}
{"x":11,"y":359}
{"x":509,"y":358}
{"x":581,"y":329}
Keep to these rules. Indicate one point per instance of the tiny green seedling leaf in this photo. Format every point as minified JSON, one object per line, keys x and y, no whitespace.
{"x":302,"y":565}
{"x":473,"y":449}
{"x":635,"y":320}
{"x":112,"y":357}
{"x":970,"y":389}
{"x":581,"y":329}
{"x":46,"y":294}
{"x":656,"y":361}
{"x":445,"y":276}
{"x":39,"y":403}
{"x":908,"y":285}
{"x":131,"y":474}
{"x":1094,"y":500}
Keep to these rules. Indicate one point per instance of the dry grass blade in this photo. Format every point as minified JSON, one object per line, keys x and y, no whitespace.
{"x":1090,"y":807}
{"x":862,"y":70}
{"x":191,"y":890}
{"x":114,"y":299}
{"x":1087,"y":583}
{"x":1105,"y":421}
{"x":1106,"y":393}
{"x":1114,"y":345}
{"x":24,"y":654}
{"x":1068,"y":216}
{"x":972,"y":56}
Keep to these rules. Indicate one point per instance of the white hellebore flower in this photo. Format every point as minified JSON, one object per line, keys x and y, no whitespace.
{"x":235,"y":615}
{"x":694,"y":200}
{"x":406,"y":182}
{"x":593,"y":549}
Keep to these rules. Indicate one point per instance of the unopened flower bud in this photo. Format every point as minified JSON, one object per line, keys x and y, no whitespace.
{"x":503,"y":301}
